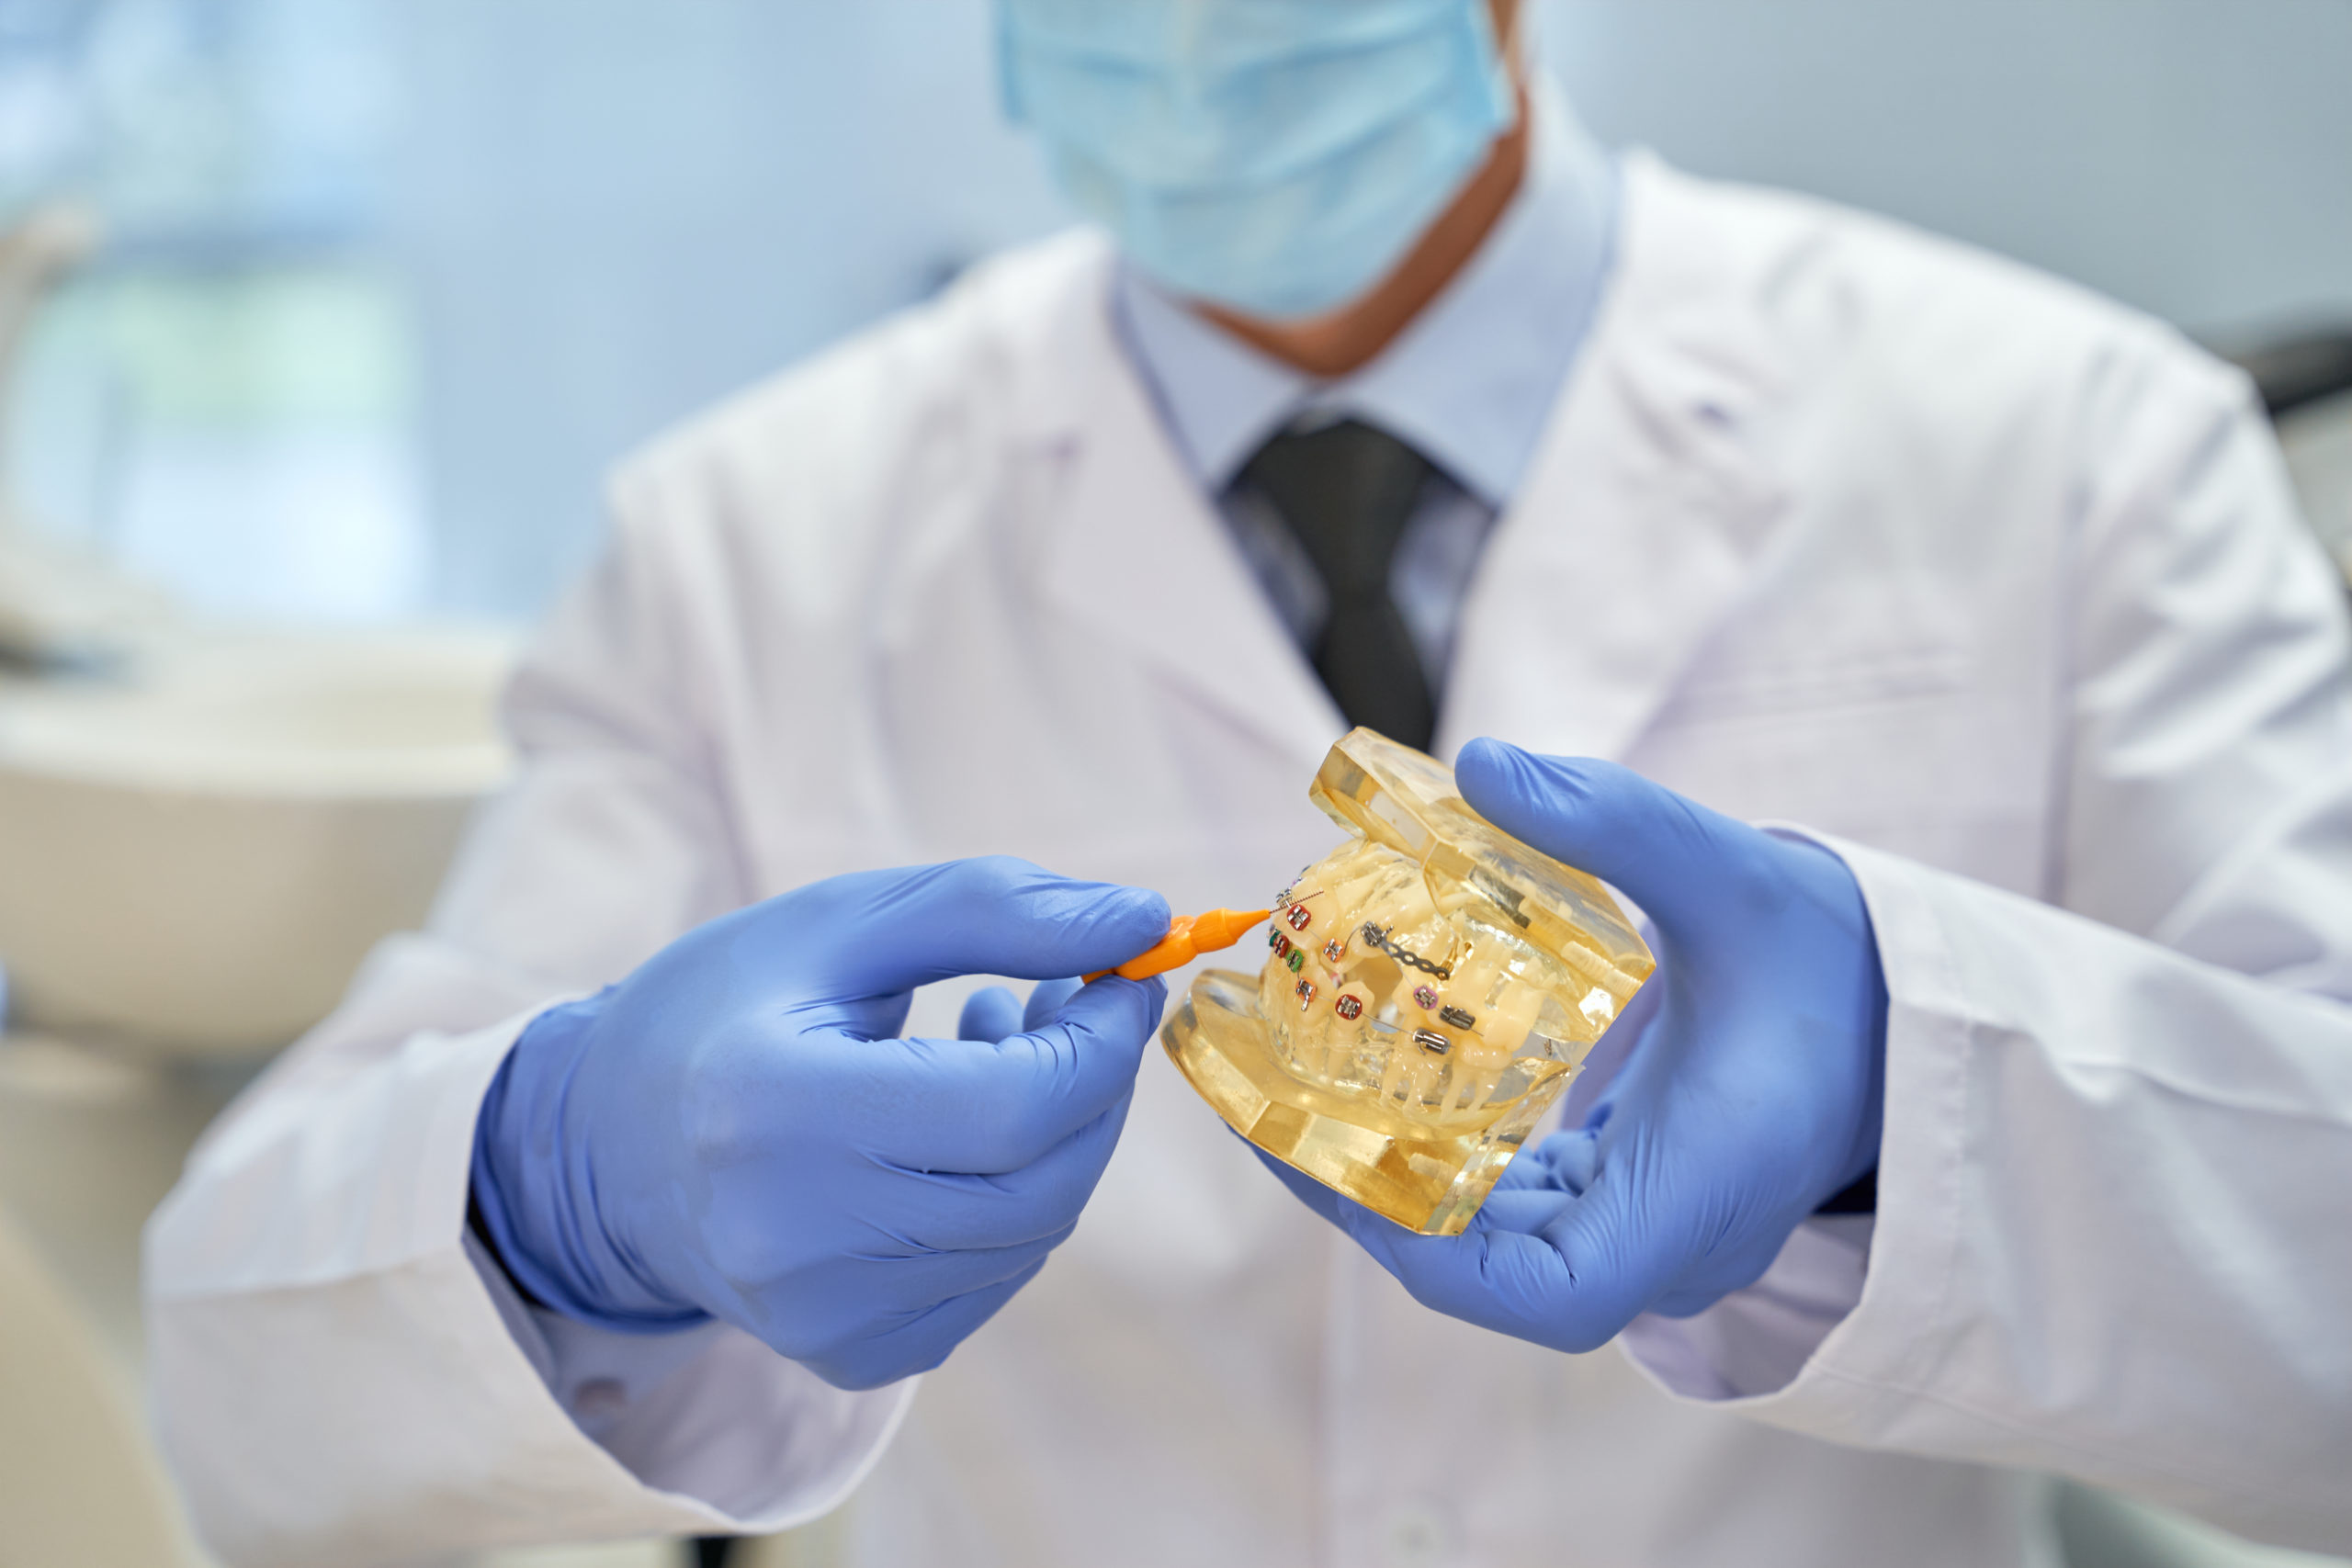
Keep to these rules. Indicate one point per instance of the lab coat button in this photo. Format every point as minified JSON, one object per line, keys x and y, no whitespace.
{"x":598,"y":1399}
{"x":1418,"y":1535}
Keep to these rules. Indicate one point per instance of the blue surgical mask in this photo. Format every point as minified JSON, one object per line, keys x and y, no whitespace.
{"x":1277,"y":157}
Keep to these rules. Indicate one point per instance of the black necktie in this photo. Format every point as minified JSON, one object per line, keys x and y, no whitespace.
{"x":1346,"y":490}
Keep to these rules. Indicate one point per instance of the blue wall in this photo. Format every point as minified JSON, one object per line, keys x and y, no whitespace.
{"x":623,"y":209}
{"x":2193,"y":157}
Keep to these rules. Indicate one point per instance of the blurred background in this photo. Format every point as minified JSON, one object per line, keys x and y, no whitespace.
{"x":389,"y":283}
{"x":336,"y":312}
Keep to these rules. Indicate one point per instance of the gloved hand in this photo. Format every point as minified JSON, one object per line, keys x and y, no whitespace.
{"x":734,"y":1132}
{"x":992,"y":1013}
{"x":1752,"y":1092}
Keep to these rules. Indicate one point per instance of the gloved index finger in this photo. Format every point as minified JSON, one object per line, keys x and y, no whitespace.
{"x":971,"y":1108}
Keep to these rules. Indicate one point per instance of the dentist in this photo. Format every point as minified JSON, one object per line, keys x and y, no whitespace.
{"x":1991,"y":1114}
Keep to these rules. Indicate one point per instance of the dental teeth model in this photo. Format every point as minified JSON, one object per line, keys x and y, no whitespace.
{"x":1433,"y":986}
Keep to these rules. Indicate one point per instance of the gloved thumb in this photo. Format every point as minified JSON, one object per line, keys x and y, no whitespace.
{"x":1668,"y":854}
{"x":883,"y":932}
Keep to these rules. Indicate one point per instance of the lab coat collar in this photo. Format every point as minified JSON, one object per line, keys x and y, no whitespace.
{"x":1131,"y":546}
{"x":1654,"y":499}
{"x":1653,"y":496}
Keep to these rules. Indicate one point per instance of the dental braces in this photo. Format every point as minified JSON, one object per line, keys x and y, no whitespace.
{"x":1379,"y":942}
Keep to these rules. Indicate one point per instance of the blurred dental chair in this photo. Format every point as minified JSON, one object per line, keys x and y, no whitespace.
{"x":80,"y":1487}
{"x":2295,"y":372}
{"x":2306,"y":383}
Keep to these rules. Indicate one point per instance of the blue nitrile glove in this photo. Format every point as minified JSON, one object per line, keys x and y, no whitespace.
{"x":992,"y":1013}
{"x":1751,"y":1094}
{"x":734,"y":1132}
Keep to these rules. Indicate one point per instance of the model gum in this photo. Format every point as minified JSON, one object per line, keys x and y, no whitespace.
{"x":1432,"y":988}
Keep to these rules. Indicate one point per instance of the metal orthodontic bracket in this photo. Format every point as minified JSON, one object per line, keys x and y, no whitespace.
{"x":1377,"y":940}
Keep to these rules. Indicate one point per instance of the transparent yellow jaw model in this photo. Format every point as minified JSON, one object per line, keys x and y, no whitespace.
{"x":1434,"y":986}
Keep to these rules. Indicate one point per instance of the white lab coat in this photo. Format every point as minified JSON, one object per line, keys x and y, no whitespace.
{"x":1999,"y":586}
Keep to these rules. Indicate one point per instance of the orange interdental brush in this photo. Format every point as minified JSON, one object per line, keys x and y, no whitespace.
{"x":1188,"y":937}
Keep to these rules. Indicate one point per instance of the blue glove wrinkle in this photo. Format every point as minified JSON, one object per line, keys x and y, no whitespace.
{"x":728,"y":1134}
{"x":1752,"y":1089}
{"x":1524,"y":1210}
{"x":1048,"y":999}
{"x":939,"y":1328}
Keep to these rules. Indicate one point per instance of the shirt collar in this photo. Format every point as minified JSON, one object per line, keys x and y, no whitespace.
{"x":1469,"y":384}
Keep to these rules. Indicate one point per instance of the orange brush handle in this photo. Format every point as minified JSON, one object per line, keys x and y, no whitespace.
{"x":1189,"y":936}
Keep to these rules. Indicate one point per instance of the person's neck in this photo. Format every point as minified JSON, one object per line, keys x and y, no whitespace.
{"x":1332,"y":346}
